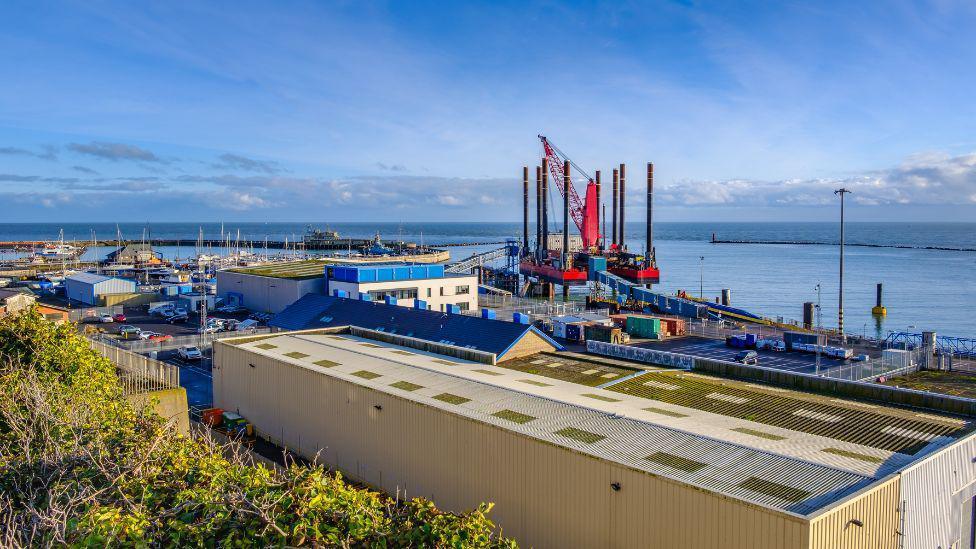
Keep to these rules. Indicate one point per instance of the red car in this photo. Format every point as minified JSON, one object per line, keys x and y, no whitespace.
{"x":119,"y":317}
{"x":160,"y":337}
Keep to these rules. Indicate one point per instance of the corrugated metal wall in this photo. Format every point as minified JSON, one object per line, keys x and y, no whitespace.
{"x":265,"y":294}
{"x":115,"y":286}
{"x":877,"y":510}
{"x":545,"y":496}
{"x":935,"y":492}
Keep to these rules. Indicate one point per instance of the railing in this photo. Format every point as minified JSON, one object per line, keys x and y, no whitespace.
{"x":138,"y":373}
{"x":506,"y":305}
{"x":875,"y":368}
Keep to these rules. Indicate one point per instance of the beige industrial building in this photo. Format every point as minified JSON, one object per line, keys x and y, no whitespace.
{"x":656,"y":458}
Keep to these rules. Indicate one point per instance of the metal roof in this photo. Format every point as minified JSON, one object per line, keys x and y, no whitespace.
{"x":789,"y":471}
{"x":472,"y":332}
{"x":88,"y":278}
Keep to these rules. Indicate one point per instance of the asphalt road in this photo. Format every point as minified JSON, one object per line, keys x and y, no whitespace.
{"x":195,"y":377}
{"x":716,"y":349}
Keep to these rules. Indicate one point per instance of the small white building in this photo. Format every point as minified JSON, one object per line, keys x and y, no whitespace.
{"x":406,"y":284}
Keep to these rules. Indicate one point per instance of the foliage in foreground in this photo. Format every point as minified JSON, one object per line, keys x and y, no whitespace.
{"x":80,"y":466}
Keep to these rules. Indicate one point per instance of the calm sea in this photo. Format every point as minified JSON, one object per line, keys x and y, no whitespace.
{"x":924,"y":289}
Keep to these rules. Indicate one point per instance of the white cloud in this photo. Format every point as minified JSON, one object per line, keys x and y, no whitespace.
{"x":931,"y":179}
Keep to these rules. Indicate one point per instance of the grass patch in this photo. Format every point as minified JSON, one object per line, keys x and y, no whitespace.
{"x":854,"y":455}
{"x":489,"y":372}
{"x":948,"y":383}
{"x":676,"y":462}
{"x":444,"y":362}
{"x":326,"y":363}
{"x":536,"y":383}
{"x":664,"y":412}
{"x":774,"y":489}
{"x":580,"y":435}
{"x":513,"y":416}
{"x":366,"y":374}
{"x":760,"y":434}
{"x":266,"y":346}
{"x":600,"y":397}
{"x":373,"y":345}
{"x":295,"y":354}
{"x":406,"y":386}
{"x":452,"y":399}
{"x":402,"y":352}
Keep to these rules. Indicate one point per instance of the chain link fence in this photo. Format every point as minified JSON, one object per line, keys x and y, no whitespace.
{"x":88,"y":314}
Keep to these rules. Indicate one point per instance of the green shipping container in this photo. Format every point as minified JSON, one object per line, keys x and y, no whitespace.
{"x":642,"y":326}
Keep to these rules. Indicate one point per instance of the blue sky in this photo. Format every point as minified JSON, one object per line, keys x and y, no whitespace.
{"x":361,"y":111}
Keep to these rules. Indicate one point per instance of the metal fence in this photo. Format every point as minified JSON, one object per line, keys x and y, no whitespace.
{"x":203,"y":341}
{"x":641,"y":354}
{"x":507,"y":305}
{"x":138,"y":373}
{"x":878,"y":367}
{"x":81,"y":315}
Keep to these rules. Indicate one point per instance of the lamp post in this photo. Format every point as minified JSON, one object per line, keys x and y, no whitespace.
{"x":701,"y":278}
{"x":819,"y":328}
{"x":840,"y":300}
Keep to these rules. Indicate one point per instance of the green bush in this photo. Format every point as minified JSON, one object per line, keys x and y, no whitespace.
{"x":80,"y":466}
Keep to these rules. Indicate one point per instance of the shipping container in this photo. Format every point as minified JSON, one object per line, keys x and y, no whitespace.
{"x":598,"y":332}
{"x":792,"y":338}
{"x":574,"y":332}
{"x":643,"y":326}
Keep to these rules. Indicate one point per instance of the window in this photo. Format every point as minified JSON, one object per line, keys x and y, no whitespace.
{"x":442,"y":290}
{"x":401,"y":293}
{"x":462,"y":290}
{"x":428,"y":292}
{"x":463,"y":305}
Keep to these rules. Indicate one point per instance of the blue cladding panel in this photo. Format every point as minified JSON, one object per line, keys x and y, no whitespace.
{"x":418,"y":271}
{"x":401,"y":273}
{"x":487,"y":313}
{"x":363,"y":296}
{"x":594,"y":265}
{"x":435,"y":271}
{"x":365,"y":275}
{"x":384,"y":274}
{"x":420,"y":304}
{"x":390,"y":300}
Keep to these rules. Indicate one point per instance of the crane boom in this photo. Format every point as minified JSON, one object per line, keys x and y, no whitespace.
{"x":585,"y":216}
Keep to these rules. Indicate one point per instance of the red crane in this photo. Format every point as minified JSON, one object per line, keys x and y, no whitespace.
{"x":585,"y":215}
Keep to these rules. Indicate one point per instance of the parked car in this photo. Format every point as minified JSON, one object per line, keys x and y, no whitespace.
{"x":229,"y":309}
{"x":127,"y":329}
{"x":163,"y":311}
{"x":147,"y":334}
{"x":118,"y":317}
{"x":747,"y":357}
{"x":189,"y":352}
{"x":210,"y":329}
{"x":106,"y":318}
{"x":176,"y":318}
{"x":160,"y":337}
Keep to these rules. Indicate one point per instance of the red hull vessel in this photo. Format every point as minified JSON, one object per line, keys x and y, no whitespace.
{"x":647,"y":275}
{"x":552,"y":274}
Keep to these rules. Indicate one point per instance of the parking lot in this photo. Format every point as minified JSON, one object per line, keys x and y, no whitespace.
{"x":195,"y":377}
{"x":716,"y":349}
{"x":140,"y":318}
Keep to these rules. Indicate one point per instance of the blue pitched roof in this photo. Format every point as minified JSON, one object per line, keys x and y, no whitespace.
{"x":321,"y":311}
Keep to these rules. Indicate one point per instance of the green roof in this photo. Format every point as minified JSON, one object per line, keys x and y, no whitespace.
{"x":299,"y":270}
